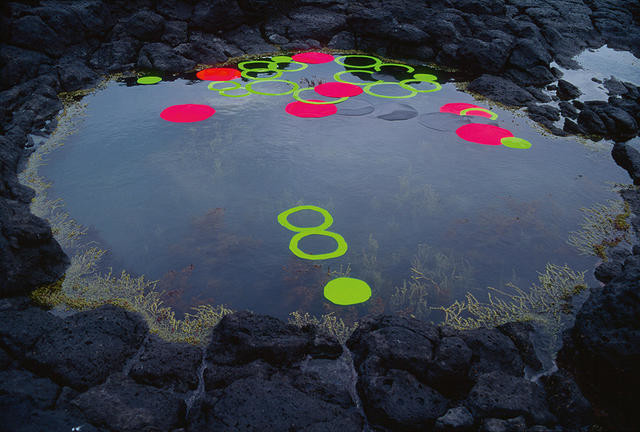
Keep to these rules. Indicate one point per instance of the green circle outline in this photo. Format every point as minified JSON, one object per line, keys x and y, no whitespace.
{"x":517,"y":140}
{"x":210,"y":86}
{"x":282,"y":218}
{"x":272,"y":65}
{"x":376,"y":60}
{"x":341,"y":249}
{"x":494,"y":116}
{"x":410,"y":69}
{"x":251,"y":90}
{"x":224,"y":92}
{"x":302,"y":66}
{"x":244,"y":74}
{"x":296,"y":96}
{"x":336,"y":76}
{"x":408,"y":87}
{"x":367,"y":90}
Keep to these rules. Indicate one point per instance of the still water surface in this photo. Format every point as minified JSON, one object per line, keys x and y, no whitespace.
{"x":194,"y":205}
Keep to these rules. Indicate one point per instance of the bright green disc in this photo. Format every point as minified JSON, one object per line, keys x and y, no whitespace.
{"x":149,"y":80}
{"x":425,"y":77}
{"x":347,"y":291}
{"x":281,"y":59}
{"x":515,"y":142}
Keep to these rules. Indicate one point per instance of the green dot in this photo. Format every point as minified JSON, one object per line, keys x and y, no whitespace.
{"x":281,"y":59}
{"x":515,"y":142}
{"x":149,"y":80}
{"x":347,"y":291}
{"x":425,"y":77}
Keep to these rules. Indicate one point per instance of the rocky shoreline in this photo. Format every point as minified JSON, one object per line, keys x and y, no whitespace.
{"x":102,"y":370}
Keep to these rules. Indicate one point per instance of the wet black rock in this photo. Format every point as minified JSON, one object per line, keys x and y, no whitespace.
{"x":343,"y":40}
{"x":75,"y":75}
{"x":32,"y":33}
{"x":567,"y":91}
{"x":316,"y":23}
{"x":497,"y":394}
{"x":145,"y":26}
{"x":243,"y":337}
{"x":214,"y":15}
{"x":18,"y":65}
{"x":607,"y":271}
{"x":18,"y":385}
{"x":566,"y":401}
{"x":492,"y":351}
{"x":161,"y":57}
{"x":22,"y":327}
{"x":501,"y":90}
{"x":114,"y":55}
{"x":528,"y":53}
{"x":602,"y":118}
{"x":543,"y":114}
{"x":122,"y":405}
{"x":85,"y":348}
{"x":521,"y":334}
{"x":602,"y":349}
{"x":628,"y":158}
{"x":168,"y":365}
{"x":457,"y":419}
{"x":516,"y":424}
{"x":568,"y":110}
{"x":398,"y":401}
{"x":249,"y":40}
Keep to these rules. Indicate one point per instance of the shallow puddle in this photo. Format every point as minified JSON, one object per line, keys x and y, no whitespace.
{"x":459,"y":197}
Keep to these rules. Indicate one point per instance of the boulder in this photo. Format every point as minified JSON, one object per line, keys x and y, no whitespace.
{"x":145,"y":25}
{"x":627,"y":157}
{"x":457,"y":419}
{"x":501,"y":90}
{"x":161,"y":57}
{"x":567,"y":91}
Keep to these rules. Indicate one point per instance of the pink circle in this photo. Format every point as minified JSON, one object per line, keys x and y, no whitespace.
{"x":218,"y":74}
{"x":187,"y":113}
{"x":301,"y":109}
{"x":337,"y":89}
{"x":455,"y":108}
{"x":483,"y":133}
{"x":313,"y":57}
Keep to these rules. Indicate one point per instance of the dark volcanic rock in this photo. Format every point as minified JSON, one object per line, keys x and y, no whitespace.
{"x":602,"y":349}
{"x":29,"y":256}
{"x":249,"y":40}
{"x":516,"y":424}
{"x":499,"y":395}
{"x":175,"y":33}
{"x":21,"y":329}
{"x":457,"y":419}
{"x":544,"y":114}
{"x":89,"y":346}
{"x":243,"y":337}
{"x":114,"y":55}
{"x":492,"y":351}
{"x":258,"y":404}
{"x":161,"y":57}
{"x":343,"y":40}
{"x":18,"y":65}
{"x":568,"y":110}
{"x":566,"y":401}
{"x":145,"y":25}
{"x":528,"y":53}
{"x":399,"y":401}
{"x":315,"y":23}
{"x":214,"y":15}
{"x":122,"y":405}
{"x":521,"y":334}
{"x":601,"y":118}
{"x":607,"y":271}
{"x":32,"y":33}
{"x":567,"y":91}
{"x":628,"y":158}
{"x":22,"y":385}
{"x":501,"y":90}
{"x":168,"y":365}
{"x":75,"y":75}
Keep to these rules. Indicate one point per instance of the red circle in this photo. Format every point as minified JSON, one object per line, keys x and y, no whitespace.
{"x":313,"y":57}
{"x":301,"y":109}
{"x":337,"y":89}
{"x":187,"y":113}
{"x":483,"y":133}
{"x":455,"y":108}
{"x":218,"y":74}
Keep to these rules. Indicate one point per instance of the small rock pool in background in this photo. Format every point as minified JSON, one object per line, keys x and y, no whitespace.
{"x":195,"y":204}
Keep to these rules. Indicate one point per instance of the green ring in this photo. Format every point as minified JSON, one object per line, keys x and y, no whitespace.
{"x":376,"y":61}
{"x":408,"y":68}
{"x":336,"y":76}
{"x":340,"y":250}
{"x":272,"y":65}
{"x":244,"y":74}
{"x":149,"y":79}
{"x":296,"y":96}
{"x":515,"y":142}
{"x":464,"y":112}
{"x":282,"y":218}
{"x":224,"y":93}
{"x":368,"y":91}
{"x":249,"y":89}
{"x":408,"y":87}
{"x":210,"y":86}
{"x":301,"y":67}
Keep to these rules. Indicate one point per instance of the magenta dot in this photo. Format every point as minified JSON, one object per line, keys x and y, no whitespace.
{"x":455,"y":108}
{"x":483,"y":133}
{"x":313,"y":57}
{"x":337,"y":89}
{"x":187,"y":113}
{"x":301,"y":109}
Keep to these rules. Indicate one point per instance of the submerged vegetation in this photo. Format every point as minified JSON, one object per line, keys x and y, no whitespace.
{"x":604,"y":226}
{"x":327,"y":324}
{"x":547,"y":303}
{"x":83,"y":286}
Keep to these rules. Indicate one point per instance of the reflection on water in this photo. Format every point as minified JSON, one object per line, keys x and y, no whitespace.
{"x":427,"y":215}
